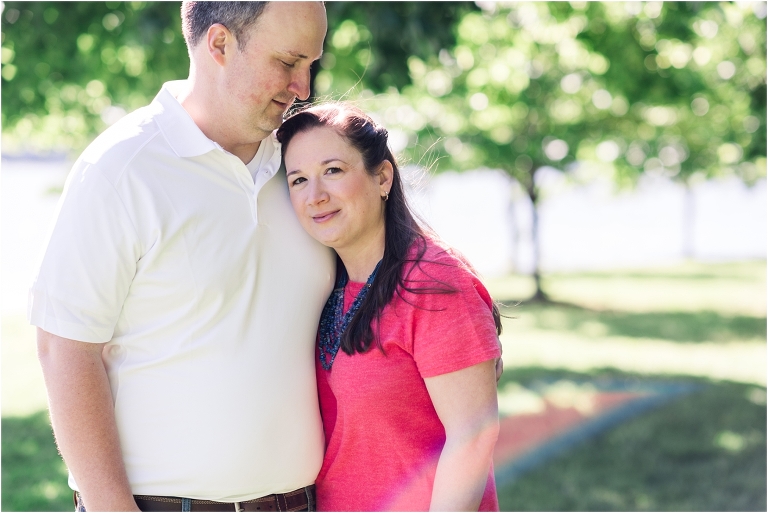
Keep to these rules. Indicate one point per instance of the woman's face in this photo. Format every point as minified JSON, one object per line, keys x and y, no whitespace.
{"x":336,"y":200}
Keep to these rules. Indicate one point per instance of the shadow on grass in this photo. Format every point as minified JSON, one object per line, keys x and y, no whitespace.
{"x":703,"y":326}
{"x":703,"y":452}
{"x":34,"y":477}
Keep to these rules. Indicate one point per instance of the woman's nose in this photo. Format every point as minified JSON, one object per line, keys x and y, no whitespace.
{"x":316,"y":193}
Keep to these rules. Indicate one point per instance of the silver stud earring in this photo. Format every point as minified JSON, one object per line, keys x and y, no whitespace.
{"x":386,"y":196}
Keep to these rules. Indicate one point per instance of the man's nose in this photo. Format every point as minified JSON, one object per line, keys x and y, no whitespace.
{"x":299,"y":85}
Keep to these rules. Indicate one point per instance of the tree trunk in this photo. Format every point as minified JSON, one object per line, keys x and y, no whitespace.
{"x":539,"y":295}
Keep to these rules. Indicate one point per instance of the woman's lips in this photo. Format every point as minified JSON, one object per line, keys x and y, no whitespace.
{"x":321,"y":218}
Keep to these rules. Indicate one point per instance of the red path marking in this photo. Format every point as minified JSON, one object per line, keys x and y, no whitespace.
{"x":519,"y":434}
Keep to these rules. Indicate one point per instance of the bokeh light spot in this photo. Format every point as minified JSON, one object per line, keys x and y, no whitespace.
{"x":478,"y":101}
{"x":726,"y":70}
{"x":700,"y":106}
{"x":602,"y":99}
{"x":556,"y":149}
{"x":571,"y":83}
{"x":607,"y":151}
{"x":729,"y":153}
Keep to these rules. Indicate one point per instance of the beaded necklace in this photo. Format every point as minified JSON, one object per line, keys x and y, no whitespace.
{"x":333,"y":322}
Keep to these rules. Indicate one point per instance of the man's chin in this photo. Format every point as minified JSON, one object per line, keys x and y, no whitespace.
{"x":270,"y":120}
{"x":270,"y":125}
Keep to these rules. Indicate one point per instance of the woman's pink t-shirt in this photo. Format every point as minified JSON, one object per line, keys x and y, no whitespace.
{"x":383,"y":436}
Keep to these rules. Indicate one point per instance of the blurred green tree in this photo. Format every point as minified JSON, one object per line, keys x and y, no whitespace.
{"x":369,"y":43}
{"x":618,"y":89}
{"x":69,"y":69}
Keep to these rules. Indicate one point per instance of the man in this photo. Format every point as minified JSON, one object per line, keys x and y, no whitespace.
{"x":178,"y":297}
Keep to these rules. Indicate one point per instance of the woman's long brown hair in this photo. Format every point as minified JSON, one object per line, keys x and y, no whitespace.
{"x":402,"y":232}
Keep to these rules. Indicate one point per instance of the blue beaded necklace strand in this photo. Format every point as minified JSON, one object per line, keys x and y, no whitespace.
{"x":333,"y":321}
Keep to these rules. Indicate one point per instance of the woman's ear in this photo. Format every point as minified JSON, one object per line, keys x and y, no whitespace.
{"x":386,"y":173}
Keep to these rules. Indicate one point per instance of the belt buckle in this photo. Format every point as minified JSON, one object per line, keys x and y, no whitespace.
{"x":238,"y":507}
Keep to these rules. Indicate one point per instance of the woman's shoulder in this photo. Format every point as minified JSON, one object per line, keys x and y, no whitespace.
{"x":431,"y":259}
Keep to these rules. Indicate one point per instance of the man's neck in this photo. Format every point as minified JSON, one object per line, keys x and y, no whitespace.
{"x":200,"y":108}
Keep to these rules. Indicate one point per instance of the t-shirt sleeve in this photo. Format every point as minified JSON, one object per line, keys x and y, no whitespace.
{"x":452,"y":331}
{"x":88,"y":263}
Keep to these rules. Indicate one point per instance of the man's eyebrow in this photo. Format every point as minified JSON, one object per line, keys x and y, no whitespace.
{"x":296,"y":54}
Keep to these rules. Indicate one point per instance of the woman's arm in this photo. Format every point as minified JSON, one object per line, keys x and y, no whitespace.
{"x":465,"y":401}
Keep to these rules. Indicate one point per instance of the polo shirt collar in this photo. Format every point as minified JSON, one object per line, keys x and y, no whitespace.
{"x":181,"y":132}
{"x":187,"y":140}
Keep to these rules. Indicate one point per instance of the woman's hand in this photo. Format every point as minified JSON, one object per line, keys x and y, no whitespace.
{"x":499,"y":364}
{"x":465,"y":401}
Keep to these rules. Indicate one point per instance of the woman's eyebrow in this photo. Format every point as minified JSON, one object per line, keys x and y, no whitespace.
{"x":323,"y":163}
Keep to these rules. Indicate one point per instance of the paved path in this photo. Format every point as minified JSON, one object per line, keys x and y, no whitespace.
{"x":538,"y":424}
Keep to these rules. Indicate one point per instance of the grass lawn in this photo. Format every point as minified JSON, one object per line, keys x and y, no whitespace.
{"x":703,"y":320}
{"x":704,"y":452}
{"x":34,"y":476}
{"x":694,"y":322}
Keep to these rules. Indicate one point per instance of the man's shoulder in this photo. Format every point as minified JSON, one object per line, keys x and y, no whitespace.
{"x":115,"y":148}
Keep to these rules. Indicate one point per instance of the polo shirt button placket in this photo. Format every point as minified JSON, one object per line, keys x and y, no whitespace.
{"x":247,"y":184}
{"x":262,"y":177}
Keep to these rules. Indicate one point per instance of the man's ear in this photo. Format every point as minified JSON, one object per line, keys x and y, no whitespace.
{"x":219,"y":42}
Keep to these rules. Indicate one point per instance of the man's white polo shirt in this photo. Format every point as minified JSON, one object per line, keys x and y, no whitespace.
{"x":207,"y":291}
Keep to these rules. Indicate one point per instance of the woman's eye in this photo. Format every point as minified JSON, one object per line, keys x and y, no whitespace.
{"x":333,"y":170}
{"x":298,"y":181}
{"x":288,"y":64}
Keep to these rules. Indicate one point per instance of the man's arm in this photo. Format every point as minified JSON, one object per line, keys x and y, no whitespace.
{"x":83,"y":418}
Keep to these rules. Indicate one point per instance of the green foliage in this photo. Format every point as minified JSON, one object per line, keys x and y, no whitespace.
{"x":668,"y":460}
{"x":71,"y":68}
{"x":85,"y":63}
{"x":673,"y":89}
{"x":369,"y":43}
{"x":613,"y":89}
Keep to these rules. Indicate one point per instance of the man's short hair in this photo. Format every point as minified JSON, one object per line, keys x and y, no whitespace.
{"x":238,"y":17}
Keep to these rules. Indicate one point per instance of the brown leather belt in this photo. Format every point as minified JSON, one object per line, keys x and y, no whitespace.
{"x":302,"y":499}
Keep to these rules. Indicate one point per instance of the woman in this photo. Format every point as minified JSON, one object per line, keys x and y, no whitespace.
{"x":407,"y":340}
